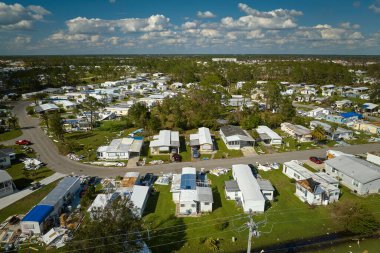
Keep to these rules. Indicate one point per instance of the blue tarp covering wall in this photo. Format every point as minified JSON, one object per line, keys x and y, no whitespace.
{"x":351,"y":114}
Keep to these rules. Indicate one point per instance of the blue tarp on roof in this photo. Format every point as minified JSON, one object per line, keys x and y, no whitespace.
{"x":351,"y":114}
{"x":38,"y":213}
{"x":188,"y":181}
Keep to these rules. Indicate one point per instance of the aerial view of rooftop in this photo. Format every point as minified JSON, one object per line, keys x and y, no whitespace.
{"x":178,"y":126}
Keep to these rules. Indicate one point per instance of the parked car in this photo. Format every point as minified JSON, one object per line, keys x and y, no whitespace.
{"x":23,"y":142}
{"x":176,"y":158}
{"x":35,"y":185}
{"x":148,"y":179}
{"x":315,"y":160}
{"x":196,"y":153}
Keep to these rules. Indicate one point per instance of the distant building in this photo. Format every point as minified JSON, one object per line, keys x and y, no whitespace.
{"x":224,"y":59}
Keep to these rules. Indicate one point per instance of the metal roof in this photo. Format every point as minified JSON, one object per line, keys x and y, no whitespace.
{"x":204,"y":136}
{"x":38,"y":213}
{"x":355,"y":168}
{"x":166,"y":138}
{"x":232,"y":130}
{"x":4,"y":176}
{"x":265,"y":185}
{"x":60,"y":191}
{"x":264,"y":130}
{"x":139,"y":195}
{"x":248,"y":185}
{"x":188,"y":195}
{"x":205,"y":194}
{"x":231,"y":186}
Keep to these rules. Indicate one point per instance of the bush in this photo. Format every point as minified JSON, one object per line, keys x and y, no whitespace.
{"x":212,"y":244}
{"x":292,"y":180}
{"x":221,"y":226}
{"x":69,"y":147}
{"x":30,"y":110}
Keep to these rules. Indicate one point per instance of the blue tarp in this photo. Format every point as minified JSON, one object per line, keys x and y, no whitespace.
{"x":188,"y":181}
{"x":38,"y":213}
{"x":351,"y":114}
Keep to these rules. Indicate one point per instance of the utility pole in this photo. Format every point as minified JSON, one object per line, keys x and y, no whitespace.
{"x":252,"y":227}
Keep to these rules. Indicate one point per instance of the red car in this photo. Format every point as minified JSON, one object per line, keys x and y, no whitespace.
{"x":315,"y":160}
{"x":23,"y":142}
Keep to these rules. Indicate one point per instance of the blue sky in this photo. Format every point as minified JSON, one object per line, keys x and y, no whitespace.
{"x":193,"y":26}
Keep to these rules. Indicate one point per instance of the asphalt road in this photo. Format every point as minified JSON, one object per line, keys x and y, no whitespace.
{"x":48,"y":153}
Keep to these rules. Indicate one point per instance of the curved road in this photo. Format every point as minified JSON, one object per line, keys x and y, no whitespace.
{"x":48,"y":153}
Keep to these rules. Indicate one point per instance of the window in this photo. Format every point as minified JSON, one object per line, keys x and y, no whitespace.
{"x":182,"y":205}
{"x":206,"y":203}
{"x":28,"y":226}
{"x":193,"y":205}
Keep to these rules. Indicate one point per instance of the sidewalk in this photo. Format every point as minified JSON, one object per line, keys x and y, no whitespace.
{"x":8,"y":200}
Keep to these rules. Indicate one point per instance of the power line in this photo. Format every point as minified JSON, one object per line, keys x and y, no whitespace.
{"x":174,"y":232}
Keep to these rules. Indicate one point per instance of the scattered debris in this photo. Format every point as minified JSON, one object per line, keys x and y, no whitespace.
{"x":219,"y":171}
{"x":108,"y":164}
{"x":75,"y":157}
{"x":156,"y":162}
{"x":32,"y":164}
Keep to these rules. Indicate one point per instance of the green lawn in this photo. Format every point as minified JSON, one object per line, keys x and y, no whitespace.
{"x":91,"y":140}
{"x":10,"y":135}
{"x":24,"y":205}
{"x":291,"y":219}
{"x":23,"y":180}
{"x":371,"y":245}
{"x":224,"y":152}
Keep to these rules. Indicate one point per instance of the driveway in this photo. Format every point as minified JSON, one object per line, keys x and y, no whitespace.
{"x":8,"y":200}
{"x":49,"y":154}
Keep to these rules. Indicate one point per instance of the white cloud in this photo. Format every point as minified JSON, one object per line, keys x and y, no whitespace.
{"x":205,"y":14}
{"x":112,"y":1}
{"x":17,"y":17}
{"x":275,"y":19}
{"x":96,"y":25}
{"x":22,"y":40}
{"x":189,"y":25}
{"x":348,"y":25}
{"x":374,"y":8}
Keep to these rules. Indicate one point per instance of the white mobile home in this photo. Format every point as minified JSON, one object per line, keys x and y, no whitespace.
{"x":7,"y":186}
{"x":252,"y":199}
{"x":202,"y":139}
{"x":268,"y":136}
{"x":301,"y":133}
{"x":123,"y":148}
{"x":165,"y":142}
{"x":358,"y":175}
{"x":139,"y":198}
{"x":235,"y":138}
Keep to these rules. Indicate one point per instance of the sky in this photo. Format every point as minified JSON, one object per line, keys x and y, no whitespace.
{"x":190,"y":27}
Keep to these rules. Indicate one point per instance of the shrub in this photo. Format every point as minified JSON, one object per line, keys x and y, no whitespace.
{"x":292,"y":180}
{"x":222,"y":226}
{"x":212,"y":244}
